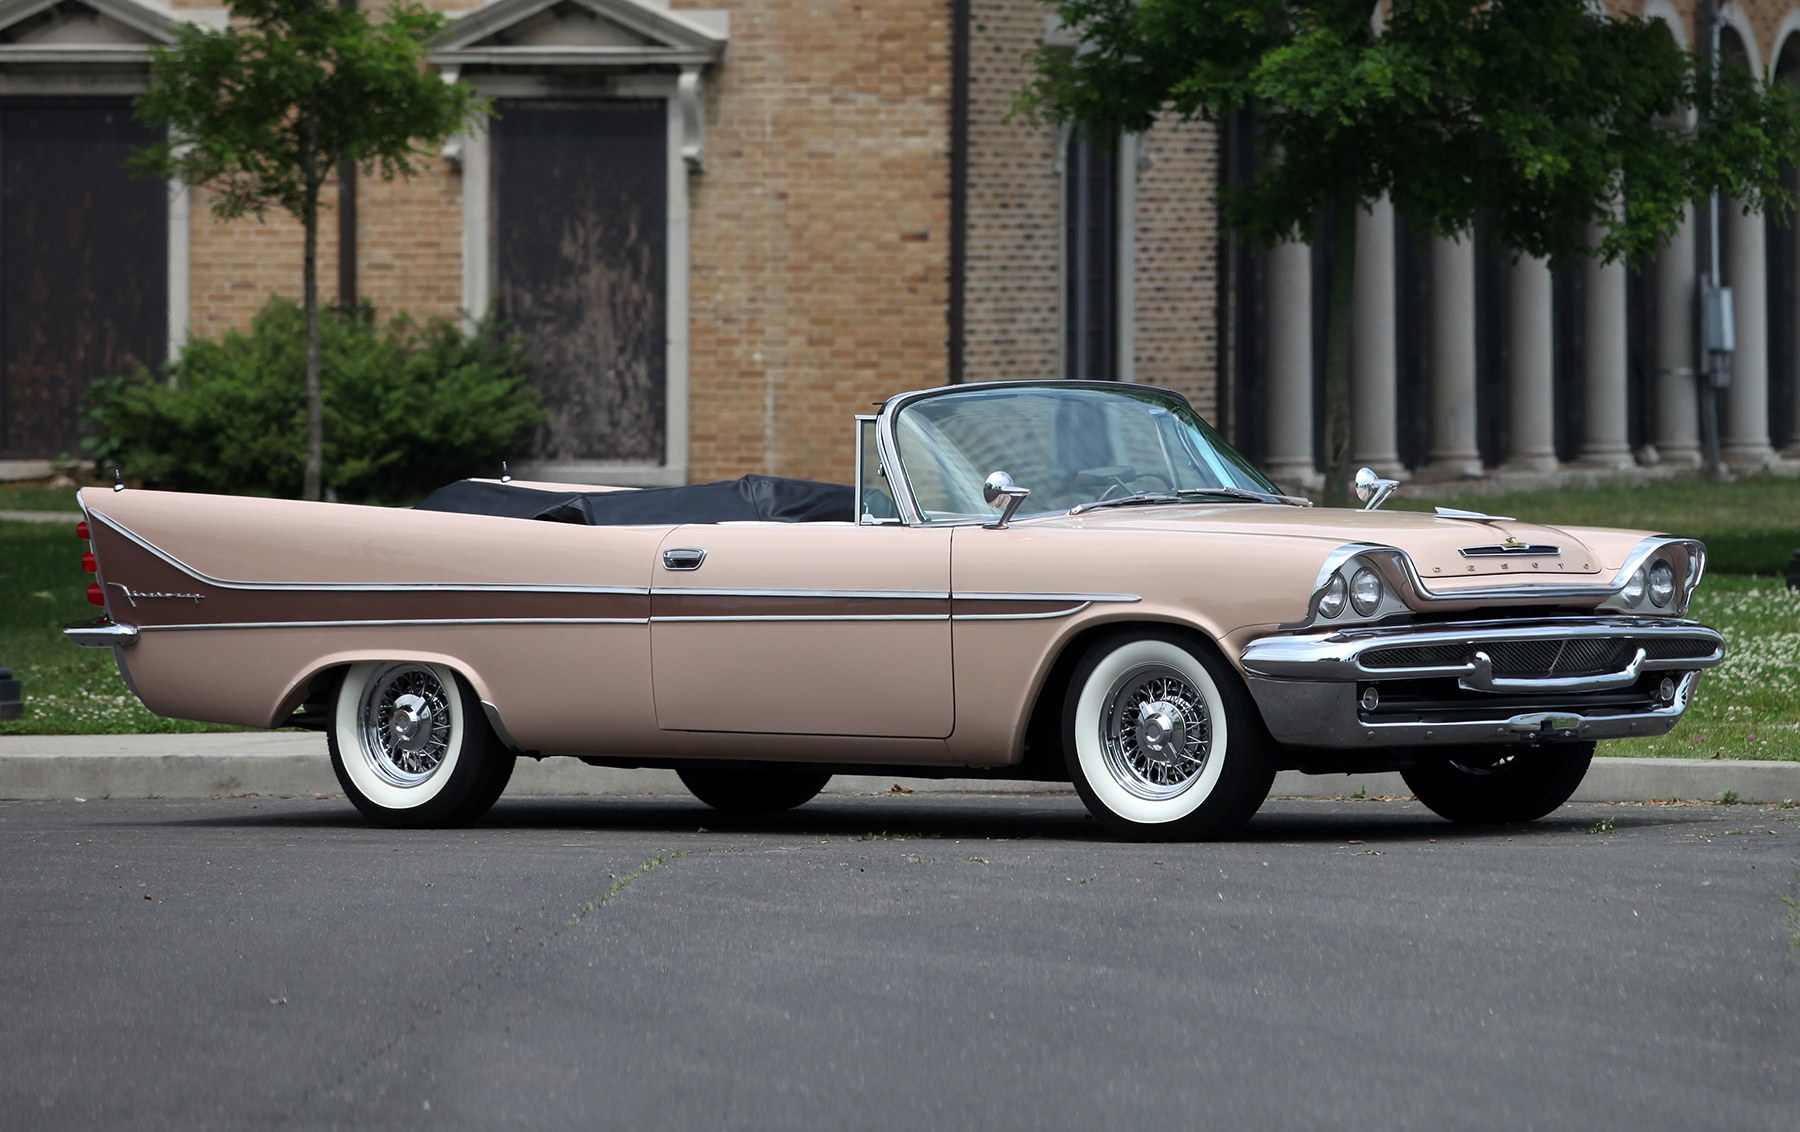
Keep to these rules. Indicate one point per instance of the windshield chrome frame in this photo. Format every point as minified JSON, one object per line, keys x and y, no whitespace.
{"x":900,"y":478}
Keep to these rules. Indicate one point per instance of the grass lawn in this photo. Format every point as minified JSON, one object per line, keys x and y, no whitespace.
{"x":30,"y":497}
{"x":1748,"y":708}
{"x":68,"y":690}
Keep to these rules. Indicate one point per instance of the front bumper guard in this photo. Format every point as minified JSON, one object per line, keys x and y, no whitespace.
{"x":1307,"y":687}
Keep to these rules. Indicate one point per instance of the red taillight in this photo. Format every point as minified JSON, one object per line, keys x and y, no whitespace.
{"x":81,"y":530}
{"x":89,"y":564}
{"x":95,"y":596}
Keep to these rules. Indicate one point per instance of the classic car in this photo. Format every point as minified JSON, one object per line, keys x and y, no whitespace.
{"x":1051,"y":581}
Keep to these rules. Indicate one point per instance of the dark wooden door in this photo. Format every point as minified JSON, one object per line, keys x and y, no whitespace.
{"x":581,"y":267}
{"x":84,"y":277}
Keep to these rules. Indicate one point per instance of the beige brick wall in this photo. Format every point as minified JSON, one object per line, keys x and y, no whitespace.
{"x":1013,"y":305}
{"x":1014,"y":301}
{"x":234,"y":266}
{"x":820,"y":230}
{"x":1177,"y":282}
{"x":409,"y":243}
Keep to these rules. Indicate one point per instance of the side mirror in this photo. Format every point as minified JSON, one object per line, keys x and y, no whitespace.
{"x":1372,"y":489}
{"x":999,"y":485}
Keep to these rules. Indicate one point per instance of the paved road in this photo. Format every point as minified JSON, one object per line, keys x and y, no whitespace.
{"x":905,"y":962}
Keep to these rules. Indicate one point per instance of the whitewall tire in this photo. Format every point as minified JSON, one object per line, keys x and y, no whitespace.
{"x":411,"y":747}
{"x":1161,"y":739}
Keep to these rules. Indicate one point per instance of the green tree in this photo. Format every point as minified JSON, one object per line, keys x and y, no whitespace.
{"x":1546,"y":117}
{"x":263,"y":111}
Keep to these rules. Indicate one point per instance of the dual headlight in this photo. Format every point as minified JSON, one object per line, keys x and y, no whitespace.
{"x":1655,"y":582}
{"x":1361,"y":591}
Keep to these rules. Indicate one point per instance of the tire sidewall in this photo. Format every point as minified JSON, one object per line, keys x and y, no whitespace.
{"x":1107,"y":662}
{"x":371,"y":794}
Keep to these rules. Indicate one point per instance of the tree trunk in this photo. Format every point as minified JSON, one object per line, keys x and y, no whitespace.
{"x":311,"y":483}
{"x":1338,"y":320}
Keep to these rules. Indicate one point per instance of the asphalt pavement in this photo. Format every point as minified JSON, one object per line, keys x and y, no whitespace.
{"x":896,"y":961}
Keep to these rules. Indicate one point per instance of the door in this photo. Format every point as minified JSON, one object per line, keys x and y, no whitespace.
{"x":803,"y":629}
{"x":581,"y":268}
{"x":84,"y":277}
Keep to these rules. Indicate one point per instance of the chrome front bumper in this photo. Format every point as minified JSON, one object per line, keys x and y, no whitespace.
{"x":1311,"y":688}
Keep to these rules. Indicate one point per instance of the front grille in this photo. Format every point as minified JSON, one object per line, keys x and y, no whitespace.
{"x":1538,"y":659}
{"x":1666,"y":648}
{"x":1422,"y":656}
{"x":1579,"y":657}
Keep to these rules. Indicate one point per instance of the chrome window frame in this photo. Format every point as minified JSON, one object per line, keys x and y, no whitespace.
{"x":901,"y":479}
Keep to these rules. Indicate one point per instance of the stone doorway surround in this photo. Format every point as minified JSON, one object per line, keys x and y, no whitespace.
{"x":599,"y":49}
{"x":73,"y":48}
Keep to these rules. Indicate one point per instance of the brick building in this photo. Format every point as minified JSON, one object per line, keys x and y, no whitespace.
{"x":728,"y":225}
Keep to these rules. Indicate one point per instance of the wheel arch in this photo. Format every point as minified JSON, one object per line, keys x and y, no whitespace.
{"x":1041,"y":735}
{"x":321,"y":679}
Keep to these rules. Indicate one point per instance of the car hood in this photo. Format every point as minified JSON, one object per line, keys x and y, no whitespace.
{"x":1435,"y":543}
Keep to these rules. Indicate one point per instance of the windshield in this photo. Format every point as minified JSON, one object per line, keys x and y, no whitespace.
{"x":1069,"y":445}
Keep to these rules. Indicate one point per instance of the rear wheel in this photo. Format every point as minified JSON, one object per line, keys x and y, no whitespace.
{"x":1161,"y":739}
{"x":411,"y":747}
{"x":752,"y":789}
{"x":1504,"y":787}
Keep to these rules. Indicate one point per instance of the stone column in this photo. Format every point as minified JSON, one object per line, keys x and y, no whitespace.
{"x":1677,"y":350}
{"x":1605,"y":442}
{"x":1290,"y":393}
{"x":1531,"y":376}
{"x":1745,"y":420}
{"x":1373,"y":361}
{"x":1454,"y":451}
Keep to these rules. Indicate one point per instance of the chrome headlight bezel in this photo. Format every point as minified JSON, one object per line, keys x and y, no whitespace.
{"x":1335,"y":598}
{"x":1683,"y":559}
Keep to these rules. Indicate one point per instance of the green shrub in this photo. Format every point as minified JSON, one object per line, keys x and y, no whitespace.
{"x":408,"y":408}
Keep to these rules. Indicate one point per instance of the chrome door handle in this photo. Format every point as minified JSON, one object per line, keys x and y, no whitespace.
{"x":683,"y":558}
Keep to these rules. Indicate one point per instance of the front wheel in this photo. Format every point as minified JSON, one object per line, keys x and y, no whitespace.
{"x":411,"y":747}
{"x":1161,"y":739}
{"x":1508,"y":787}
{"x":746,"y":790}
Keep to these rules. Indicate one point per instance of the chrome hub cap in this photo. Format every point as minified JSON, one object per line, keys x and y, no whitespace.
{"x":404,"y":722}
{"x":1155,"y":731}
{"x":1163,"y":732}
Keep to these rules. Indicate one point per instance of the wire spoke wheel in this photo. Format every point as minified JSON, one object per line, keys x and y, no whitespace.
{"x":1156,"y":732}
{"x":411,"y":747}
{"x":1160,"y":738}
{"x":404,"y":724}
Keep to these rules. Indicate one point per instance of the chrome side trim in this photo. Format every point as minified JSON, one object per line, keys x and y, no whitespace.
{"x":1049,"y":615}
{"x":696,"y":591}
{"x":802,"y":617}
{"x":994,"y":595}
{"x":398,"y":623}
{"x":100,"y":633}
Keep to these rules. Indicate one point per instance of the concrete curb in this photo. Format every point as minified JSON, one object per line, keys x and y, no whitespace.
{"x":48,"y":767}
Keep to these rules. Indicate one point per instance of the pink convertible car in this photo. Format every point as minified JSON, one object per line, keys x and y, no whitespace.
{"x":1054,"y":581}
